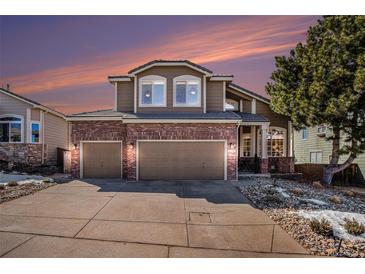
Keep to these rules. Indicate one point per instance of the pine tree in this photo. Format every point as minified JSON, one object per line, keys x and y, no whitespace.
{"x":322,"y":82}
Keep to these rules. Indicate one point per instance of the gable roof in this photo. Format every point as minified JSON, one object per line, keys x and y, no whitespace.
{"x":31,"y":102}
{"x":249,"y":93}
{"x":171,"y":63}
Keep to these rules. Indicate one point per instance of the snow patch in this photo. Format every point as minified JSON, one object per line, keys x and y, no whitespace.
{"x":336,"y":218}
{"x":282,"y":192}
{"x":314,"y":201}
{"x":22,"y":178}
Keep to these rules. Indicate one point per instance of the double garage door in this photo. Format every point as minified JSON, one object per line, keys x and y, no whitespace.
{"x":159,"y":160}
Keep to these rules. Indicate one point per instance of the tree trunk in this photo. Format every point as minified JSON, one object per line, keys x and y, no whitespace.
{"x":333,"y":167}
{"x":330,"y":171}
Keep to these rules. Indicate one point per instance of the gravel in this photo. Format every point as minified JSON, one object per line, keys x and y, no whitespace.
{"x":292,"y":204}
{"x":21,"y":178}
{"x":14,"y":192}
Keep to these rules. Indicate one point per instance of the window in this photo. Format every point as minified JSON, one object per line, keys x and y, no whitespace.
{"x":316,"y":157}
{"x":305,"y":133}
{"x":152,"y":91}
{"x":11,"y":129}
{"x":187,"y":91}
{"x":35,"y":130}
{"x":276,"y":142}
{"x":246,"y":145}
{"x":232,"y":105}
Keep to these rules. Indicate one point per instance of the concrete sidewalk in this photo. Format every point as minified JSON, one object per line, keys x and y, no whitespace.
{"x":113,"y":218}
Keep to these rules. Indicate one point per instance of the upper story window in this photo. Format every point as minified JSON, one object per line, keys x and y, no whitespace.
{"x":187,"y":91}
{"x":232,"y":105}
{"x":152,"y":91}
{"x":305,"y":133}
{"x":11,"y":129}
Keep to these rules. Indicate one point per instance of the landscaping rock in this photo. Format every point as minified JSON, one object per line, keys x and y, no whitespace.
{"x":318,"y":185}
{"x":335,"y":199}
{"x":297,"y":191}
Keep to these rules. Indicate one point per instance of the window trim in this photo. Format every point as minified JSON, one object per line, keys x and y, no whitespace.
{"x":148,"y":80}
{"x":285,"y":141}
{"x":307,"y":134}
{"x":186,"y":78}
{"x":315,"y":151}
{"x":21,"y":122}
{"x":31,"y":133}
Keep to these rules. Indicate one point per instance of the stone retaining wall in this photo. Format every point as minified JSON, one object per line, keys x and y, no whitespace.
{"x":30,"y":154}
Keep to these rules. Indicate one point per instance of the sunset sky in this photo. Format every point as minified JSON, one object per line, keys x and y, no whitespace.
{"x":63,"y":61}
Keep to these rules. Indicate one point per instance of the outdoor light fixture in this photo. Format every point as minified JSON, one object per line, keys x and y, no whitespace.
{"x":231,"y":145}
{"x":131,"y":145}
{"x":75,"y":146}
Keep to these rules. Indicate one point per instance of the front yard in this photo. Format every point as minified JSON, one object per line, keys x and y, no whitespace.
{"x":294,"y":205}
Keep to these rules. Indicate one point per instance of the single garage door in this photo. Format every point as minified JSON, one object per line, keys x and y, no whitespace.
{"x":101,"y":160}
{"x":167,"y":160}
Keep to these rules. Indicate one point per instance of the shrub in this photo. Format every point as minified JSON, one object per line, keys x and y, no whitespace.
{"x":297,"y":191}
{"x":335,"y":199}
{"x":13,"y":183}
{"x":322,"y":227}
{"x":354,"y":227}
{"x":2,"y":186}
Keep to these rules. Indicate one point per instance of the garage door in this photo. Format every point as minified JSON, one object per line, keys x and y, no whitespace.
{"x":181,"y":160}
{"x":101,"y":160}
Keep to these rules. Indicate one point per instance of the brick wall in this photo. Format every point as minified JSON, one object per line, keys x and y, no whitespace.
{"x":130,"y":133}
{"x":30,"y":154}
{"x":281,"y":164}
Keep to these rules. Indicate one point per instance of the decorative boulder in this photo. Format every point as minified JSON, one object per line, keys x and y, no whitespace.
{"x":335,"y":199}
{"x":317,"y":184}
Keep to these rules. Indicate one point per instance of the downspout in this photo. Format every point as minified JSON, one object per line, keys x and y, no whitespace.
{"x":42,"y":124}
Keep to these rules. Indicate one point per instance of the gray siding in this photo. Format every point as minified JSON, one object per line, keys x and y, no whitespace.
{"x":55,"y":135}
{"x":214,"y":96}
{"x":276,"y":120}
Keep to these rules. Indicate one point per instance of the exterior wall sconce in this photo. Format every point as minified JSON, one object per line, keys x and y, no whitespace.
{"x":131,"y":145}
{"x":75,"y":146}
{"x":231,"y":145}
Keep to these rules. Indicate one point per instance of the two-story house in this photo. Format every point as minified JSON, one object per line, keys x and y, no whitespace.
{"x":172,"y":120}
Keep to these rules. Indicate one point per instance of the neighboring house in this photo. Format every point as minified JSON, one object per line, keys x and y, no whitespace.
{"x":30,"y":133}
{"x":310,"y":146}
{"x":178,"y":120}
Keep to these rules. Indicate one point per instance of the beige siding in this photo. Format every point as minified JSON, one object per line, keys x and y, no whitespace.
{"x":170,"y":73}
{"x":35,"y":115}
{"x":303,"y":148}
{"x":214,"y":96}
{"x":55,"y":135}
{"x":10,"y":105}
{"x":125,"y":96}
{"x":247,"y":106}
{"x":276,"y":120}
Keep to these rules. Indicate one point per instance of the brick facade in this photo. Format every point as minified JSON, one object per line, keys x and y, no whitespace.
{"x":30,"y":154}
{"x":130,"y":133}
{"x":281,"y":164}
{"x":272,"y":164}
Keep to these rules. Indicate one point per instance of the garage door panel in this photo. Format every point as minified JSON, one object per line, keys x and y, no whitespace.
{"x":101,"y":160}
{"x":181,"y":160}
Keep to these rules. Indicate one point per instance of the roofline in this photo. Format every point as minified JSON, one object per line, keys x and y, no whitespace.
{"x":152,"y":120}
{"x":154,"y":63}
{"x":249,"y":93}
{"x":119,"y":78}
{"x":33,"y":103}
{"x":221,"y":78}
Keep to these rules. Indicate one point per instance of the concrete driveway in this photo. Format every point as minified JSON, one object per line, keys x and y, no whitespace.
{"x":113,"y":218}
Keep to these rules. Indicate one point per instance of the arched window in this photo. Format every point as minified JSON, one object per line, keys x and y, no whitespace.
{"x":152,"y":91}
{"x":11,"y":129}
{"x":187,"y":91}
{"x":276,"y":142}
